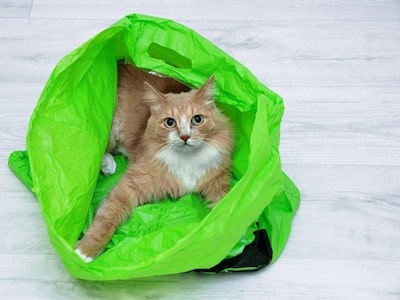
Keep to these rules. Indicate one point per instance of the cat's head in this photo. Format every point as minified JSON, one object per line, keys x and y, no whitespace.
{"x":186,"y":121}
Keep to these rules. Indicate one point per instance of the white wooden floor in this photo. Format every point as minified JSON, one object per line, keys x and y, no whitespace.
{"x":336,"y":63}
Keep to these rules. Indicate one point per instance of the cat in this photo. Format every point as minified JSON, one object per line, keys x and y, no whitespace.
{"x":177,"y":141}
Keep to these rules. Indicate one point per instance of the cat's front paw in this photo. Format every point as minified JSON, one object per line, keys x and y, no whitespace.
{"x":108,"y":166}
{"x":88,"y":248}
{"x":84,"y":257}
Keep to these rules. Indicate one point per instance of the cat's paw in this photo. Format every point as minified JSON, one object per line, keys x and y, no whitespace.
{"x":108,"y":166}
{"x":84,"y":257}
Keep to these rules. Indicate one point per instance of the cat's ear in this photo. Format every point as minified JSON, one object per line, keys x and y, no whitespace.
{"x":207,"y":92}
{"x":153,"y":97}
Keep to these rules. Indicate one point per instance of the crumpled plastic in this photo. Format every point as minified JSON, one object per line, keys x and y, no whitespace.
{"x":68,"y":134}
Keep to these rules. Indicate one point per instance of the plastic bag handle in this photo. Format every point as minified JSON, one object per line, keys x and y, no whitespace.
{"x":169,"y":56}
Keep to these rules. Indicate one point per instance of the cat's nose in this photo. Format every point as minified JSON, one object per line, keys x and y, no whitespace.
{"x":184,"y":138}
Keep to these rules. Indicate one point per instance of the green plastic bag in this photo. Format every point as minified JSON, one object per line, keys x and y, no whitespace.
{"x":68,"y":135}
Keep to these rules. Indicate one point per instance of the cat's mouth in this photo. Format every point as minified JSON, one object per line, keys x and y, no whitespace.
{"x":188,"y":145}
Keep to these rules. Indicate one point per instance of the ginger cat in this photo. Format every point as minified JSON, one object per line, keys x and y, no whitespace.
{"x":177,"y":142}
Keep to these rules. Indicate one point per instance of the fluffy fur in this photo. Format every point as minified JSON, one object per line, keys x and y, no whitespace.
{"x":177,"y":142}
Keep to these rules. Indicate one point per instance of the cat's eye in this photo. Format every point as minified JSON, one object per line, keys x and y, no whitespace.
{"x":197,"y":120}
{"x":169,"y":122}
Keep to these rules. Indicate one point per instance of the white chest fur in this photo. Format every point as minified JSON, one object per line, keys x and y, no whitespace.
{"x":191,"y":165}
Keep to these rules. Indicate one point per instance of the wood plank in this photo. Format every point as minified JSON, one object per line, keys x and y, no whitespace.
{"x":365,"y":226}
{"x":222,"y":10}
{"x":333,"y":180}
{"x":18,"y":102}
{"x":26,"y":233}
{"x":30,"y":49}
{"x":344,"y":125}
{"x":15,"y":8}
